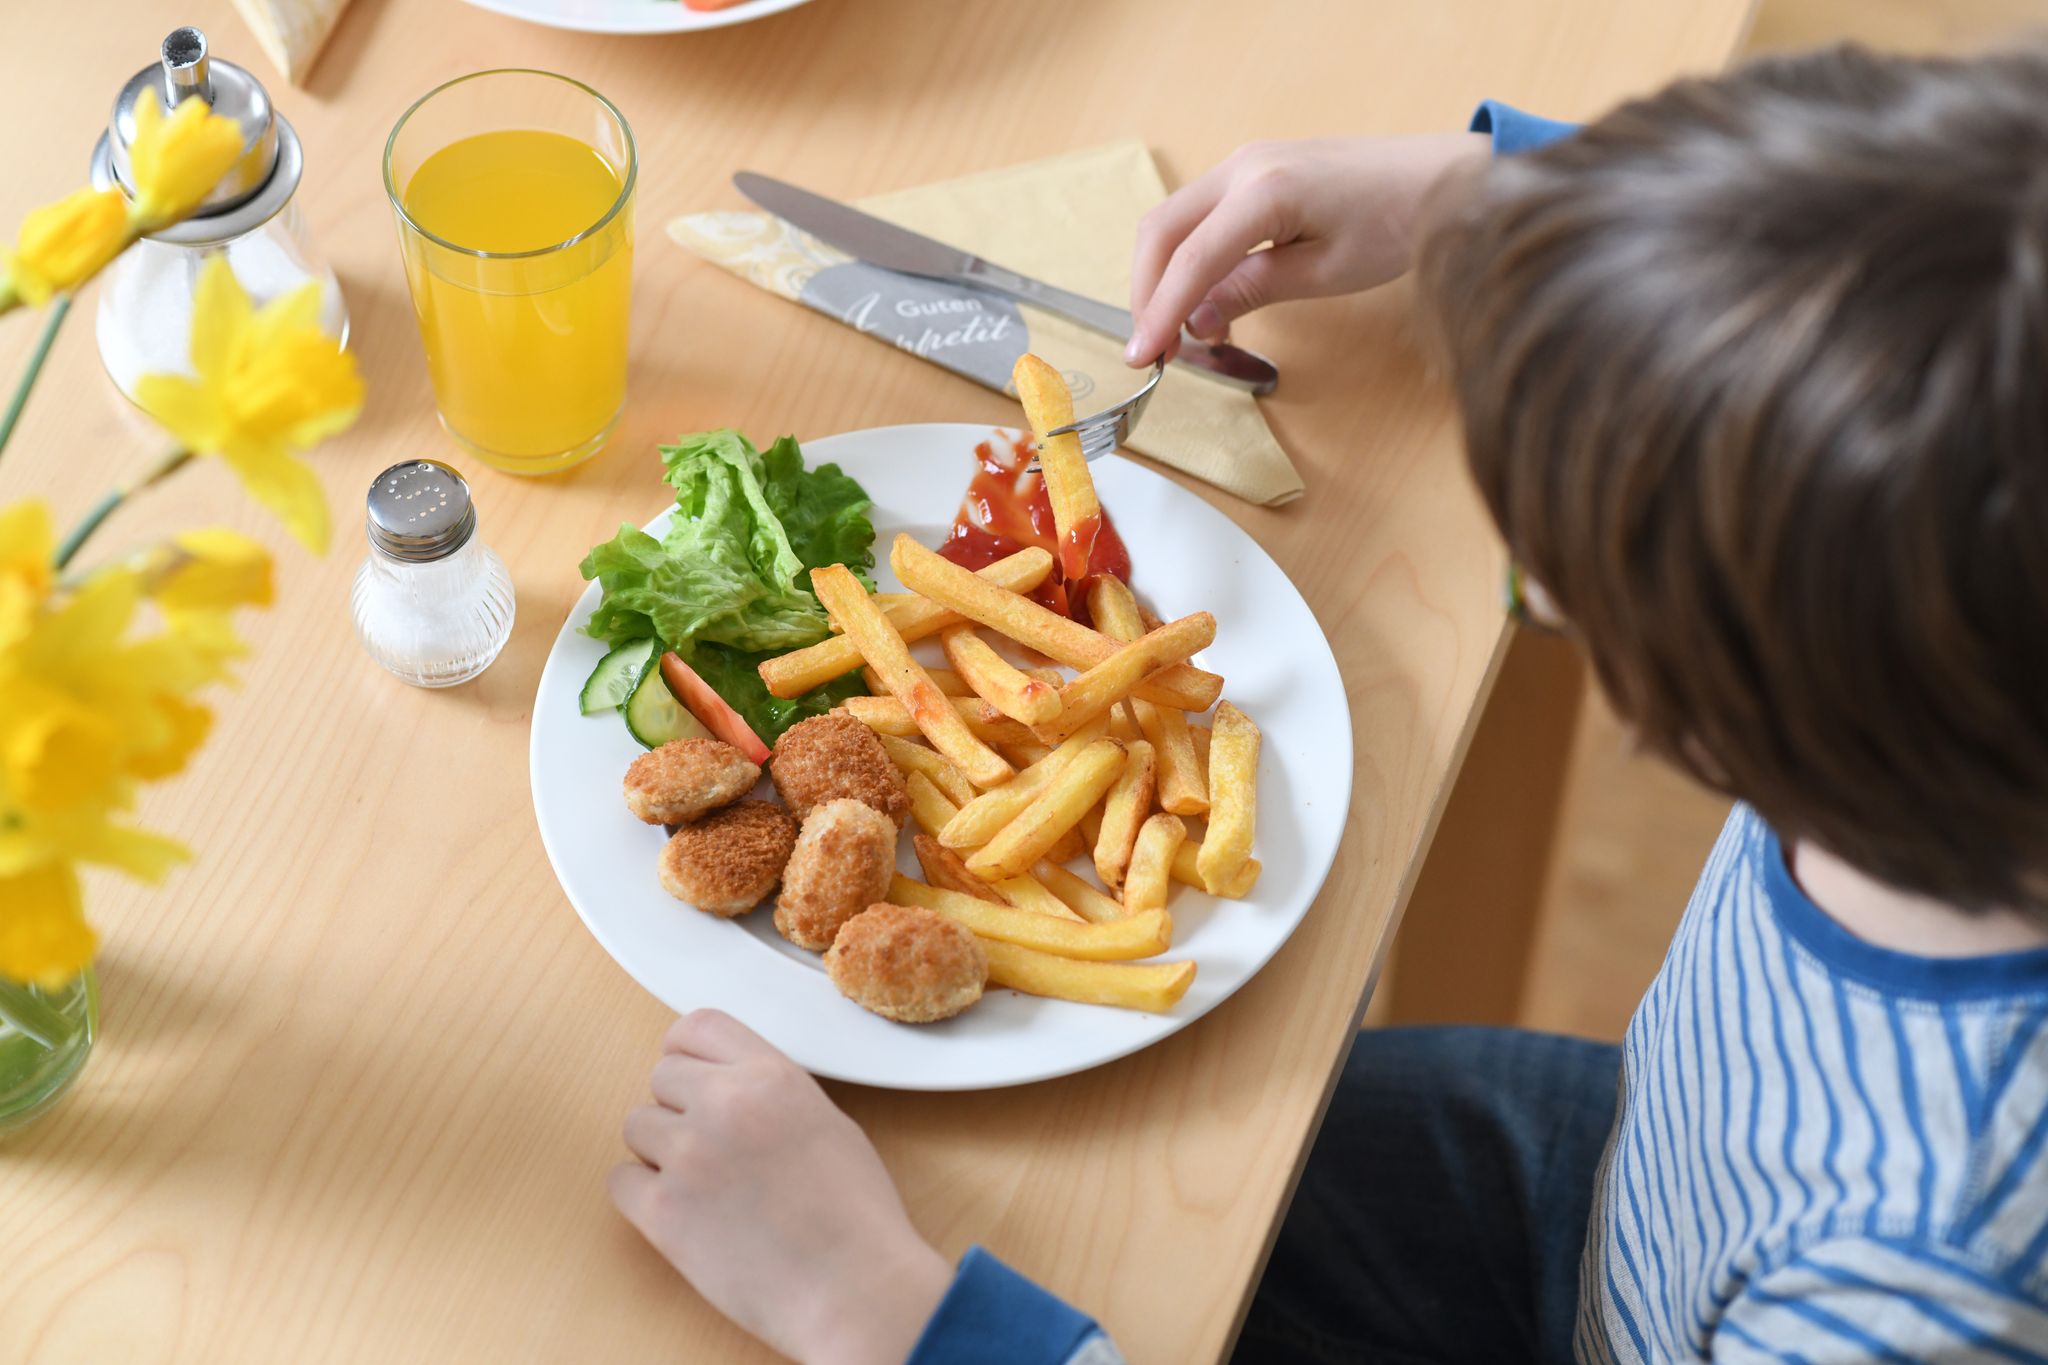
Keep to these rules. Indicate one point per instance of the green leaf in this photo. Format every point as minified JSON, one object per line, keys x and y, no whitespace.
{"x":823,"y":511}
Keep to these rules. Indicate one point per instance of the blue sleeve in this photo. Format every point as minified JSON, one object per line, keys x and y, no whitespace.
{"x":1514,"y":131}
{"x":993,"y":1316}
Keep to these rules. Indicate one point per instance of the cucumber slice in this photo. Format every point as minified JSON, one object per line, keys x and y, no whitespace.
{"x":615,"y":676}
{"x":654,"y":716}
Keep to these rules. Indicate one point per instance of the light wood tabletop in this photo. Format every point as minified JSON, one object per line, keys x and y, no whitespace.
{"x":362,"y":1069}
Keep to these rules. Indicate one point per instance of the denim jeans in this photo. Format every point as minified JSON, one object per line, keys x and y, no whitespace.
{"x":1442,"y":1213}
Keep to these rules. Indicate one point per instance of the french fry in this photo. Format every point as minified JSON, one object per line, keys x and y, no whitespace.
{"x":1152,"y":863}
{"x":1067,"y":847}
{"x":929,"y":806}
{"x":1028,"y":623}
{"x":1183,"y":780}
{"x":944,"y":868}
{"x":1134,"y":936}
{"x":951,"y":683}
{"x":800,"y":670}
{"x":1046,"y":675}
{"x":1024,"y":753}
{"x":1026,"y":892}
{"x":1083,"y":899}
{"x":1183,"y":784}
{"x":1185,"y":870}
{"x":1123,"y":811}
{"x":1199,"y":736}
{"x":1122,"y":725}
{"x":1077,"y":785}
{"x":980,"y":819}
{"x":1103,"y":685}
{"x":888,"y":716}
{"x":1233,"y":796}
{"x":1076,"y":511}
{"x":886,"y":601}
{"x":911,"y":757}
{"x":1152,"y":986}
{"x":842,"y":595}
{"x":996,"y":680}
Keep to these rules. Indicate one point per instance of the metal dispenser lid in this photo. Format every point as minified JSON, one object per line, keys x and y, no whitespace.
{"x":256,"y":187}
{"x":419,"y":511}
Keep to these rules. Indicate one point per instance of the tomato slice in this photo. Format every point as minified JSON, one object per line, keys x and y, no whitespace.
{"x":707,"y":706}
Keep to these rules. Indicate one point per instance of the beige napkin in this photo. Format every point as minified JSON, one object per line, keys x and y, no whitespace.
{"x":291,"y":32}
{"x":1068,"y":220}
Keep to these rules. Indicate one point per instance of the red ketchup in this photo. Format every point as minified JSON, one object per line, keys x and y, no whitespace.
{"x":1007,"y":509}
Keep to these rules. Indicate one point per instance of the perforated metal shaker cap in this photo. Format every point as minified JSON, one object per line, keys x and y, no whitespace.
{"x":419,"y":511}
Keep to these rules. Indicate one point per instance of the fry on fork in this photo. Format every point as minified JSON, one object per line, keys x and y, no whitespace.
{"x":1069,"y":487}
{"x":885,"y":651}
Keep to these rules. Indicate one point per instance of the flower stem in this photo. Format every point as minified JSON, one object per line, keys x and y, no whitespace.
{"x":104,"y":508}
{"x":59,"y":309}
{"x":20,"y":1007}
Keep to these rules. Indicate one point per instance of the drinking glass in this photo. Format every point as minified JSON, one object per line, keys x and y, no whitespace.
{"x":514,"y":196}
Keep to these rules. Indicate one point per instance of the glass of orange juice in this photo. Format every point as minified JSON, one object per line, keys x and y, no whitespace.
{"x":514,"y":195}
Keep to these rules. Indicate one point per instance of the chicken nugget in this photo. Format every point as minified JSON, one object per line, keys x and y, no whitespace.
{"x":834,"y":755}
{"x":726,"y":863}
{"x":841,"y":865}
{"x":907,"y":963}
{"x":686,"y":777}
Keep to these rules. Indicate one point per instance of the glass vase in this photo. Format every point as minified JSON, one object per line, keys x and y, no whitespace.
{"x":45,"y":1037}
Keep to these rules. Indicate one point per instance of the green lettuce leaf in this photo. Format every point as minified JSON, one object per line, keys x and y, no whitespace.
{"x":727,"y":584}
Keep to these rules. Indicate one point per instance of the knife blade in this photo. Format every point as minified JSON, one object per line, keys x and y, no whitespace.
{"x":882,"y":244}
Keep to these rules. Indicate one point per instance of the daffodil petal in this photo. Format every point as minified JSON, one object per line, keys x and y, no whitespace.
{"x":287,"y":486}
{"x":44,"y":939}
{"x":222,"y":317}
{"x":181,"y":408}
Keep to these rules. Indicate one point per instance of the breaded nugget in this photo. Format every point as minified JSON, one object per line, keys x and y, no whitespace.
{"x":726,"y":863}
{"x":834,"y":755}
{"x":841,"y":865}
{"x":907,"y":963}
{"x":686,"y":777}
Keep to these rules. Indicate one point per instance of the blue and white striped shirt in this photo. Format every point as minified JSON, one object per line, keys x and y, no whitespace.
{"x":1826,"y":1150}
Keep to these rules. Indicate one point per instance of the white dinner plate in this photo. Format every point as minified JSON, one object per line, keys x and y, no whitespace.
{"x":1186,"y":556}
{"x":633,"y":16}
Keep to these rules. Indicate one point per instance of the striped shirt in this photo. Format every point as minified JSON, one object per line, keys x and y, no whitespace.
{"x":1826,"y":1150}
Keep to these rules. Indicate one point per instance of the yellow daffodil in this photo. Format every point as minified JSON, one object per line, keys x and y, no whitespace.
{"x":177,"y":160}
{"x":44,"y":939}
{"x":210,"y":570}
{"x":270,"y":383}
{"x":27,"y":545}
{"x":62,"y":245}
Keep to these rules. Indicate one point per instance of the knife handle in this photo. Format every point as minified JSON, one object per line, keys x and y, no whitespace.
{"x":1232,"y":364}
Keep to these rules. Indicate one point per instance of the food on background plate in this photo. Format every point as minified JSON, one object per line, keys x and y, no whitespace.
{"x":907,"y":963}
{"x":830,"y":756}
{"x":685,"y":778}
{"x":1007,"y":508}
{"x":841,"y":864}
{"x":1233,"y":796}
{"x":726,"y":863}
{"x":1151,"y":866}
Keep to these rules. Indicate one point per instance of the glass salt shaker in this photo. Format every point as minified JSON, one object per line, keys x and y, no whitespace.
{"x":432,"y":603}
{"x":145,"y":309}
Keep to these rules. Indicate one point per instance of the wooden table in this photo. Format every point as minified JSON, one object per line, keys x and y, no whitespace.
{"x":362,"y":1069}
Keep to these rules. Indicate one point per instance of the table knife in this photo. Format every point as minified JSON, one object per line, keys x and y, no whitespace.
{"x":890,"y":247}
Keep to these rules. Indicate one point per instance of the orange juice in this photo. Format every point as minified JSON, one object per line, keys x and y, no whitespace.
{"x":520,"y":276}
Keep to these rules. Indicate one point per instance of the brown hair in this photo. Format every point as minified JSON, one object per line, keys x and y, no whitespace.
{"x":1754,"y":379}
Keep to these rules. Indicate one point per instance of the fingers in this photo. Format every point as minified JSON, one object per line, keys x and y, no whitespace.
{"x":1165,"y":226}
{"x":632,"y":1187}
{"x":651,"y":1133}
{"x":1204,"y":257}
{"x":678,"y":1079}
{"x":1271,"y":276}
{"x":715,"y":1036}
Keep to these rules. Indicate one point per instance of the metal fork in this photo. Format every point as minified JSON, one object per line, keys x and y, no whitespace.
{"x":1108,"y":429}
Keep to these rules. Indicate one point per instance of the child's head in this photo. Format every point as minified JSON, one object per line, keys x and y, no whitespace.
{"x":1754,"y":378}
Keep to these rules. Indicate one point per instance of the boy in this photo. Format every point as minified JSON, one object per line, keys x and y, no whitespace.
{"x":1754,"y":379}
